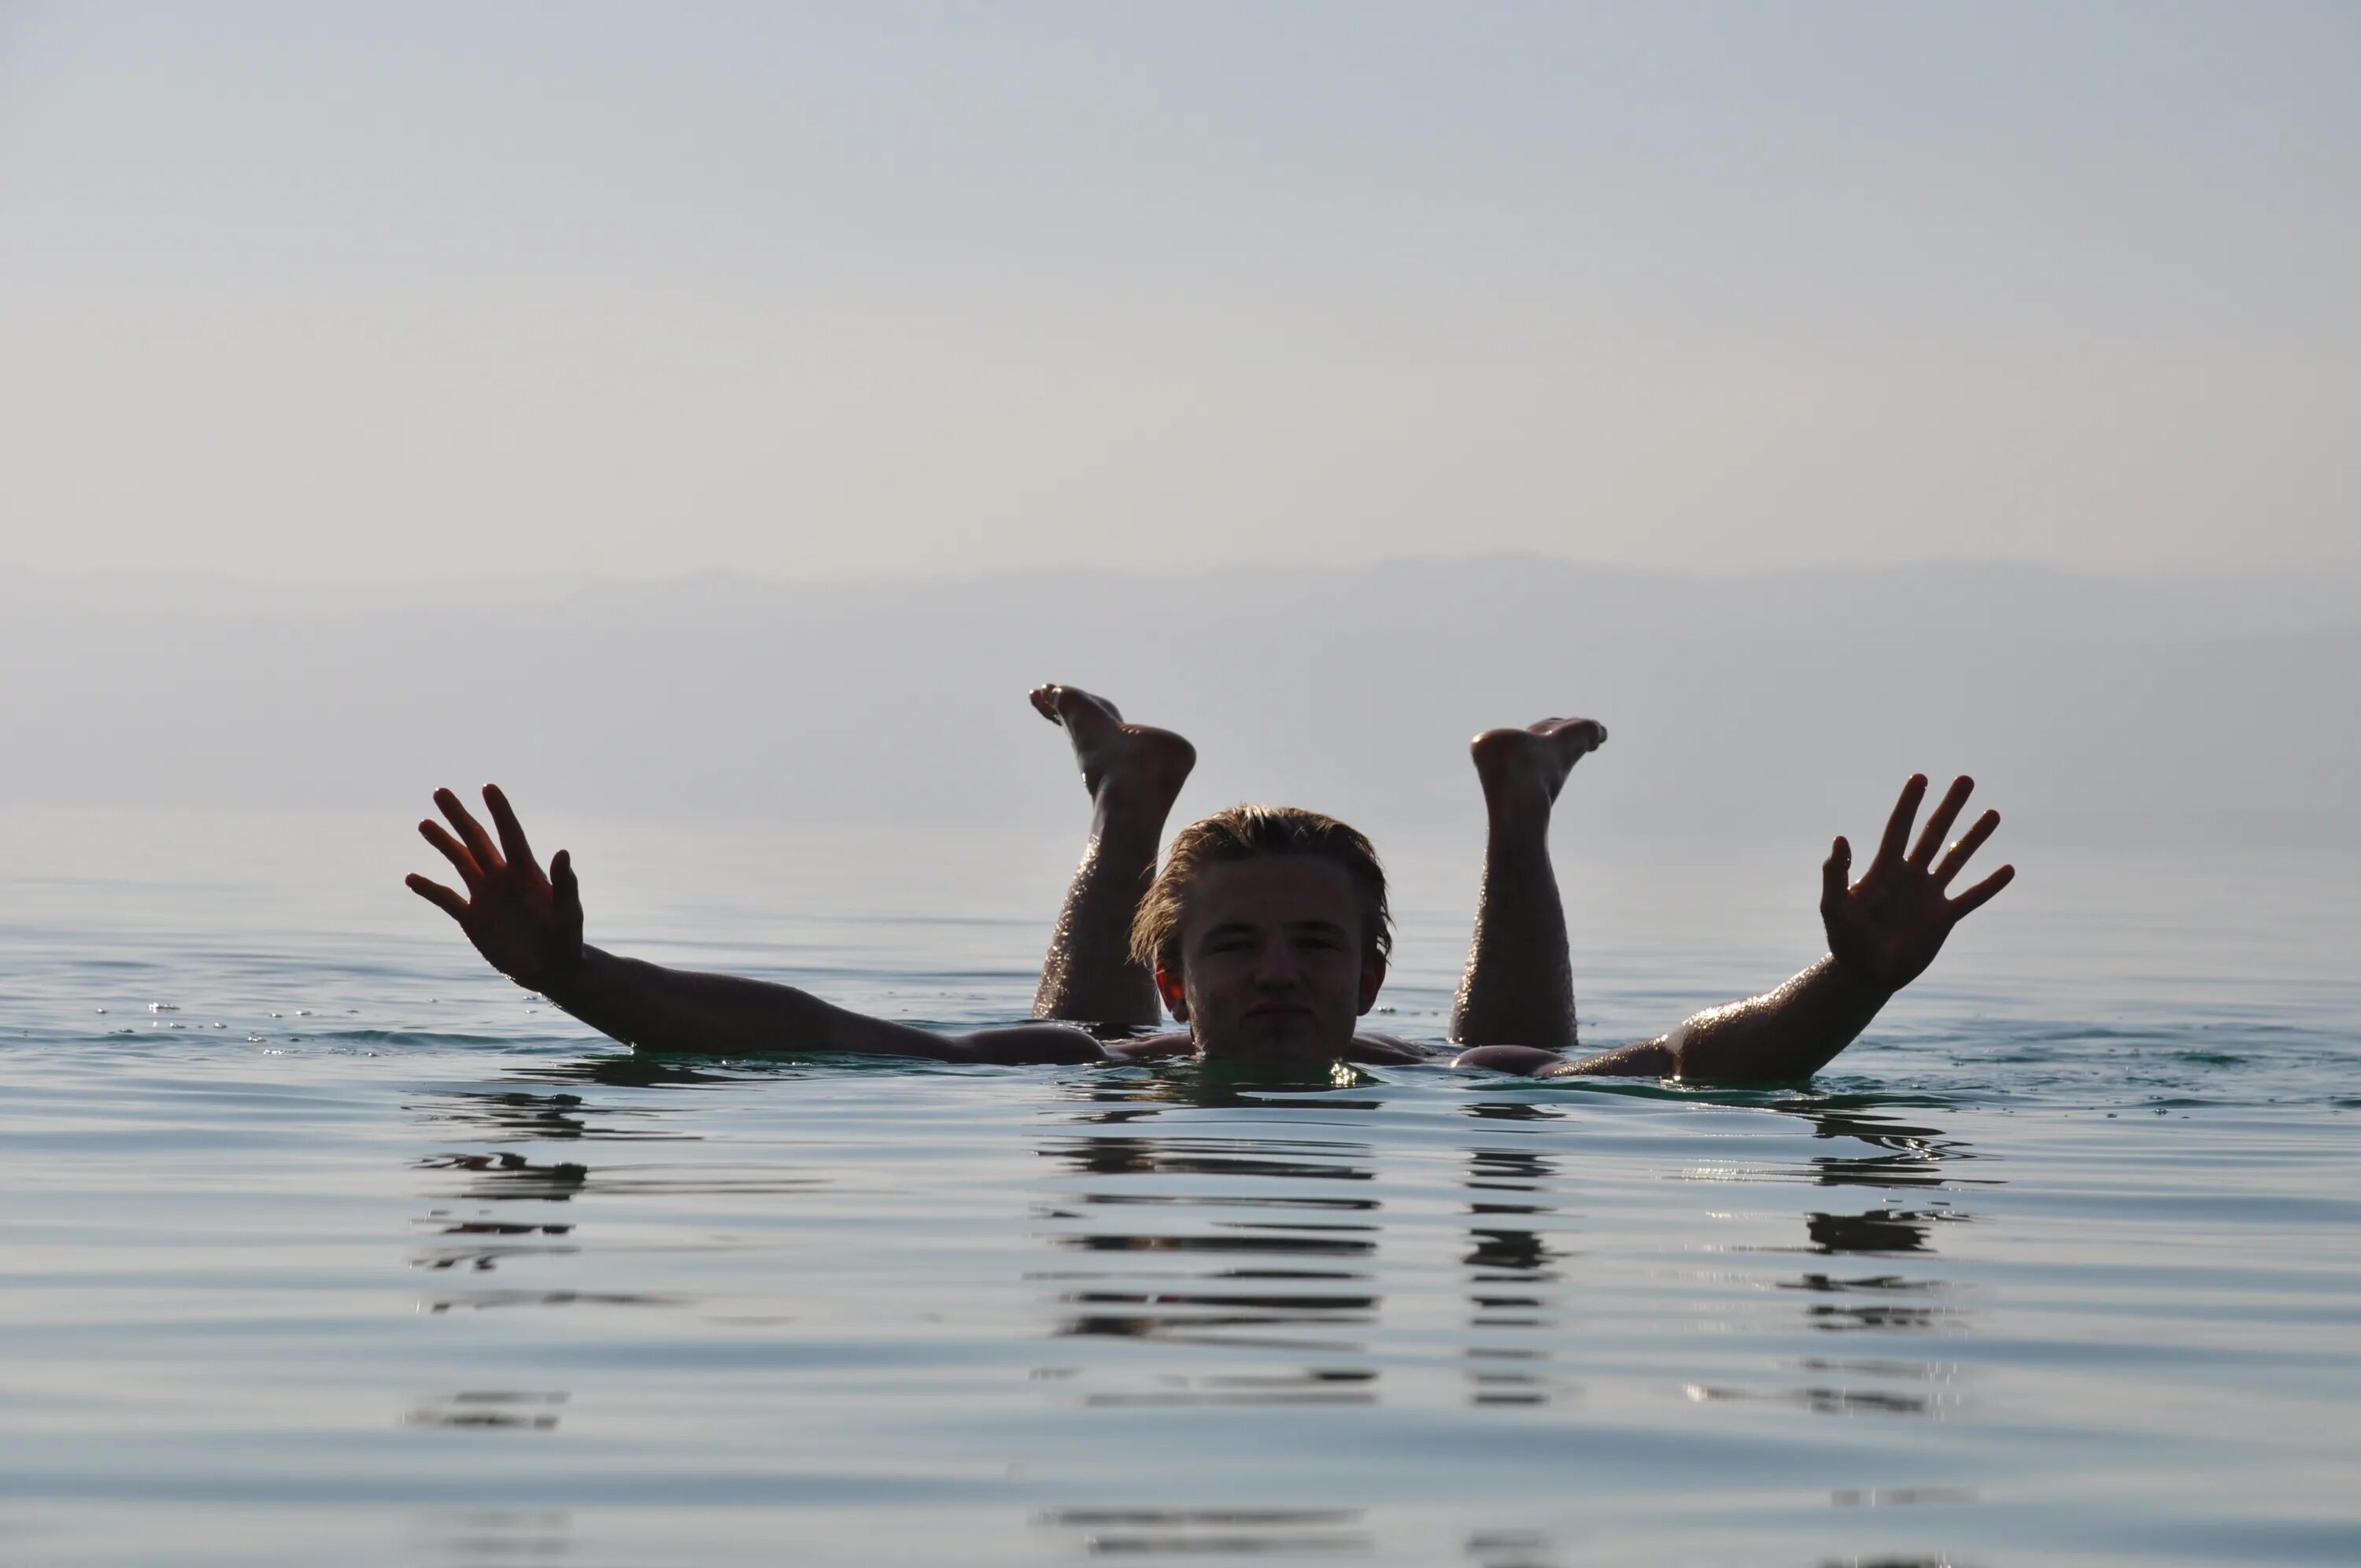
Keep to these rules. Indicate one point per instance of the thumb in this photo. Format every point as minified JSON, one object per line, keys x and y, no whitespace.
{"x":562,"y":881}
{"x":1836,"y":872}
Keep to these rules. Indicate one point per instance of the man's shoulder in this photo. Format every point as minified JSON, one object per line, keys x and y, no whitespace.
{"x":1382,"y":1050}
{"x":1151,"y":1047}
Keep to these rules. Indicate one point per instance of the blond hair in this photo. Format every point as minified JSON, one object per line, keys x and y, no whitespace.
{"x":1250,"y":832}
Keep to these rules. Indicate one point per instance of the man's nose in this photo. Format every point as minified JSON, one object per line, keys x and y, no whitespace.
{"x":1277,"y":965}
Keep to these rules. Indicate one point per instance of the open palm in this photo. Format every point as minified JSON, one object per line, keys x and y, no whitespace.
{"x":527,"y":926}
{"x":1888,"y":926}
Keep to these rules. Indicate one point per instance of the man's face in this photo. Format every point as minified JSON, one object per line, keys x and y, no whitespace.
{"x":1271,"y":966}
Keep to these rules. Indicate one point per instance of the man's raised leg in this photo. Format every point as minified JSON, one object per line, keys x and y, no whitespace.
{"x":1518,"y":989}
{"x":1134,"y":775}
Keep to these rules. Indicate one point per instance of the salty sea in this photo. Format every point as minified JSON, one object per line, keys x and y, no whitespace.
{"x":323,"y":1244}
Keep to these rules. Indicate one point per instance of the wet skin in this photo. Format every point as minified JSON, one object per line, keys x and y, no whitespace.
{"x":1282,"y":941}
{"x":1273,"y":965}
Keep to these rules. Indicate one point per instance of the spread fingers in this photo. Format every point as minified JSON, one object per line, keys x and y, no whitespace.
{"x":1897,"y":827}
{"x":454,"y":851}
{"x":1938,"y":825}
{"x":504,"y":818}
{"x":1956,"y":858}
{"x":1975,"y":898}
{"x":471,"y":832}
{"x":435,"y":893}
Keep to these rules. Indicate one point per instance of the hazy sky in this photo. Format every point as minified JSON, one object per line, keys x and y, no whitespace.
{"x":416,"y":290}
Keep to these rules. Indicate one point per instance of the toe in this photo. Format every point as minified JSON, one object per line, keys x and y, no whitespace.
{"x":1073,"y":701}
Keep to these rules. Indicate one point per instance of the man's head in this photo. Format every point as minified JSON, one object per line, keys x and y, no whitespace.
{"x":1267,"y":930}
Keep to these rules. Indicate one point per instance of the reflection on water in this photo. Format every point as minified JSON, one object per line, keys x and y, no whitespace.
{"x":1222,"y":1219}
{"x":492,"y":1409}
{"x":1245,"y":1237}
{"x":1345,"y":1255}
{"x":493,"y":1536}
{"x":1891,"y":1154}
{"x":484,"y":1256}
{"x":1258,"y":1244}
{"x":625,"y":1069}
{"x":1204,"y":1532}
{"x":512,"y":1177}
{"x":1875,"y":1231}
{"x":1185,"y":1247}
{"x":1827,"y":1401}
{"x":481,"y":1300}
{"x":1510,"y":1266}
{"x":525,"y":1114}
{"x":1909,"y":1158}
{"x":1509,"y":1549}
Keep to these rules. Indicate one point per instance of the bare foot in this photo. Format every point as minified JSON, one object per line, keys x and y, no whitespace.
{"x":1134,"y":759}
{"x":1524,"y":769}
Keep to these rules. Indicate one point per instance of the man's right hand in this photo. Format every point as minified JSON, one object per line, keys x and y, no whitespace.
{"x":527,"y":926}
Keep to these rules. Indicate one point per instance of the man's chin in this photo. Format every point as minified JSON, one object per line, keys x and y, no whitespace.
{"x":1285,"y":1037}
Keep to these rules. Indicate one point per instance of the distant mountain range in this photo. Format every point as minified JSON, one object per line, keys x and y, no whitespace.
{"x":1792,"y":701}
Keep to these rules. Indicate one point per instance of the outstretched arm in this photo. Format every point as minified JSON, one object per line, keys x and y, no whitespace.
{"x":529,"y":927}
{"x":1777,"y":1037}
{"x":1882,"y":933}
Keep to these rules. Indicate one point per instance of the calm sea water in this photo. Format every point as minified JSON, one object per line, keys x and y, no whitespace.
{"x":324,"y":1244}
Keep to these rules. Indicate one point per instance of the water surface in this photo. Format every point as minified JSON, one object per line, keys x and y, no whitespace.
{"x":323,"y":1243}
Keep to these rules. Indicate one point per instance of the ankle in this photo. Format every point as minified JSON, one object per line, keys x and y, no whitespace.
{"x":1129,"y":819}
{"x":1519,"y":811}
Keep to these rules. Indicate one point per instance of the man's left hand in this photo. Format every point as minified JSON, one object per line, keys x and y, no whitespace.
{"x":1888,"y":926}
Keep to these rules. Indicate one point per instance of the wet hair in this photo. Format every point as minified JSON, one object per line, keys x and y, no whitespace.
{"x":1248,"y":833}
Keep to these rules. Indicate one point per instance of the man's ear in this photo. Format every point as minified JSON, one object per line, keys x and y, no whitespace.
{"x":1176,"y":995}
{"x":1373,"y":980}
